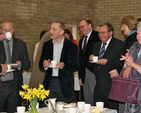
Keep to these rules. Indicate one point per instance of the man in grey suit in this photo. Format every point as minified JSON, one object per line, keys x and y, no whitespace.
{"x":12,"y":81}
{"x":86,"y":75}
{"x":109,"y":51}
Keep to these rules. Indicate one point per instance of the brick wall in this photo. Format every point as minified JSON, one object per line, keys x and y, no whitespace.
{"x":114,"y":10}
{"x":32,"y":16}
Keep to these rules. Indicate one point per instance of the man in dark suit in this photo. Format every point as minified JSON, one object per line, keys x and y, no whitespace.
{"x":59,"y":80}
{"x":86,"y":75}
{"x":3,"y":67}
{"x":108,"y":60}
{"x":12,"y":81}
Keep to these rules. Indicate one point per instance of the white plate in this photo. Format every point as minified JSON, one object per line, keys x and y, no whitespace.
{"x":13,"y":64}
{"x":10,"y":70}
{"x":103,"y":109}
{"x":52,"y":67}
{"x":70,"y":105}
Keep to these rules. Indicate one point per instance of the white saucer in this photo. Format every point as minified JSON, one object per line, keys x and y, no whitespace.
{"x":70,"y":105}
{"x":13,"y":64}
{"x":92,"y":61}
{"x":52,"y":66}
{"x":10,"y":70}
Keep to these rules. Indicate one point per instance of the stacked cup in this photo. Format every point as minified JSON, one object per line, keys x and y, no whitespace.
{"x":83,"y":107}
{"x":21,"y":109}
{"x":100,"y":104}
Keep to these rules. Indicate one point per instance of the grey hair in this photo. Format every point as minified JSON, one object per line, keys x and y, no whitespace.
{"x":139,"y":25}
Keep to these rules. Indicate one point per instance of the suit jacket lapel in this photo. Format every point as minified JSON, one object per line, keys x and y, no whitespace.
{"x":64,"y":49}
{"x":110,"y":46}
{"x":14,"y":50}
{"x":2,"y":47}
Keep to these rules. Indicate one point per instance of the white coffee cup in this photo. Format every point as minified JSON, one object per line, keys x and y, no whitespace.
{"x":20,"y":109}
{"x":66,"y":110}
{"x":72,"y":110}
{"x":53,"y":63}
{"x":53,"y":101}
{"x":87,"y":108}
{"x":80,"y":105}
{"x":9,"y":67}
{"x":8,"y":35}
{"x":60,"y":105}
{"x":100,"y":104}
{"x":95,"y":58}
{"x":37,"y":106}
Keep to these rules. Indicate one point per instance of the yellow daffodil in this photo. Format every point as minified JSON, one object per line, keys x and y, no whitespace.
{"x":41,"y":86}
{"x":32,"y":93}
{"x":25,"y":86}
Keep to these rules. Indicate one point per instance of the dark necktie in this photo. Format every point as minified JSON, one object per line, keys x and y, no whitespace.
{"x":85,"y":43}
{"x":102,"y":51}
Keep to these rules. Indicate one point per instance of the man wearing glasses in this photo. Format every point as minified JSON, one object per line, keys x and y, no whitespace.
{"x":12,"y":51}
{"x":86,"y":43}
{"x":108,"y":51}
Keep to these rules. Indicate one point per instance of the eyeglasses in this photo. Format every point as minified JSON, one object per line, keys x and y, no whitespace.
{"x":7,"y":30}
{"x":102,"y":33}
{"x":82,"y":27}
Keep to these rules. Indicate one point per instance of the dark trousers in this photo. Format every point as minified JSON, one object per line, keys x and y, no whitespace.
{"x":101,"y":96}
{"x":8,"y":97}
{"x":81,"y":95}
{"x":55,"y":92}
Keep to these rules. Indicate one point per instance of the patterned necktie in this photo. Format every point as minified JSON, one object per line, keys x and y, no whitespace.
{"x":85,"y":43}
{"x":7,"y":52}
{"x":102,"y":51}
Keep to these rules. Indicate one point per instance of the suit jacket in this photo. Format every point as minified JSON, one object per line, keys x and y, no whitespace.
{"x":0,"y":68}
{"x":129,"y":42}
{"x":19,"y":53}
{"x":112,"y":54}
{"x":69,"y":56}
{"x":84,"y":56}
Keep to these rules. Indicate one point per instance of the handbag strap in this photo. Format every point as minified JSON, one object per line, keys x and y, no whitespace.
{"x":130,"y":74}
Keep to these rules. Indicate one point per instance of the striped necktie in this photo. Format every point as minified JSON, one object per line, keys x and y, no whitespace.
{"x":102,"y":51}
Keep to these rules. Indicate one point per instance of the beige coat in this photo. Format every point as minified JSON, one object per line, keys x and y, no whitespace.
{"x":36,"y":75}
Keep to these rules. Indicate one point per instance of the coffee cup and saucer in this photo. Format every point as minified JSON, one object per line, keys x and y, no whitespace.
{"x":52,"y":64}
